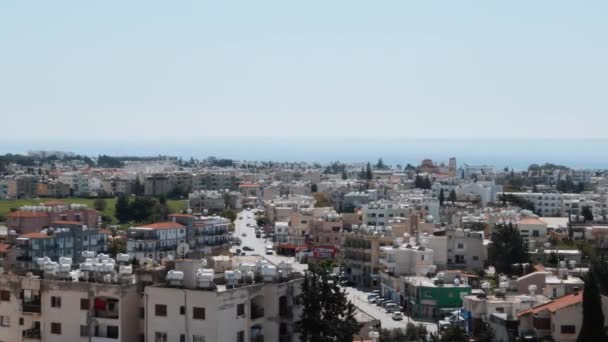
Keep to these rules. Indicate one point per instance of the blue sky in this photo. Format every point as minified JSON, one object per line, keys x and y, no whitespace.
{"x":183,"y":70}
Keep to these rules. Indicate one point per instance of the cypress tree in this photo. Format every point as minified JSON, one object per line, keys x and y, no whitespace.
{"x":593,"y":317}
{"x":441,"y":197}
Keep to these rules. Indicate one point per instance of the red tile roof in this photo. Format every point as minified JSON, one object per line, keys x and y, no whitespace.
{"x":4,"y":247}
{"x":105,"y":231}
{"x":531,"y":220}
{"x":181,"y":215}
{"x":35,"y":236}
{"x":163,"y":225}
{"x":25,"y":213}
{"x":556,"y":304}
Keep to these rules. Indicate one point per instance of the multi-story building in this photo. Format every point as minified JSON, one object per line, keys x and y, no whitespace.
{"x":118,"y":186}
{"x":65,"y":305}
{"x":252,"y":301}
{"x":465,"y":249}
{"x":433,"y":297}
{"x":22,"y":186}
{"x":216,"y":180}
{"x":379,"y":213}
{"x":206,"y":235}
{"x":31,"y":219}
{"x":78,"y":182}
{"x":361,"y":253}
{"x":560,"y":319}
{"x":156,"y":240}
{"x":214,"y":200}
{"x":65,"y":239}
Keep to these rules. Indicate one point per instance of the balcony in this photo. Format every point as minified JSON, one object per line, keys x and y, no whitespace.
{"x":256,"y":311}
{"x":286,"y":311}
{"x":31,"y":334}
{"x":31,"y":307}
{"x":259,"y":338}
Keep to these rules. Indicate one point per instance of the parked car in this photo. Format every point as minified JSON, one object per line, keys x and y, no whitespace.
{"x":381,"y":302}
{"x":372,"y":298}
{"x":397,"y":316}
{"x":244,"y":234}
{"x":247,"y":248}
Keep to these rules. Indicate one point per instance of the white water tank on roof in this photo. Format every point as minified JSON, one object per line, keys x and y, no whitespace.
{"x":86,"y":266}
{"x":64,"y":268}
{"x":64,"y":260}
{"x":204,"y":277}
{"x":50,"y":267}
{"x":87,"y":254}
{"x":125,"y":270}
{"x":122,"y":257}
{"x":102,"y":256}
{"x":269,"y":272}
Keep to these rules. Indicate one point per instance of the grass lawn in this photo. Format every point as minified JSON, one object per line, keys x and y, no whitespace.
{"x":6,"y":205}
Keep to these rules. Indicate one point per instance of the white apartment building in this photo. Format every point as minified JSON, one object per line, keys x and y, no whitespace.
{"x":465,"y":249}
{"x":557,"y":204}
{"x":156,"y":240}
{"x":281,"y":231}
{"x":407,"y":259}
{"x":253,"y":302}
{"x":380,"y":212}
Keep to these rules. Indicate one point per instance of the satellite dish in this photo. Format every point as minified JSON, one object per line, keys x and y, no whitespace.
{"x":182,"y":249}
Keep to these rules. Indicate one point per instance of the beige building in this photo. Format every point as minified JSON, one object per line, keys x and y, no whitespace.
{"x":361,"y":253}
{"x":198,"y":304}
{"x":35,"y":309}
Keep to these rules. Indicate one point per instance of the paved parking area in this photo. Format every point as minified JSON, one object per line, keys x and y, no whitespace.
{"x":359,"y":298}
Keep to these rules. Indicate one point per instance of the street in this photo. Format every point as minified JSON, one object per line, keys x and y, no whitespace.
{"x":258,"y":244}
{"x":359,"y":298}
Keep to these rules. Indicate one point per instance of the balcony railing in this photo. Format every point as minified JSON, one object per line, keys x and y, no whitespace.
{"x":259,"y":338}
{"x":31,"y":307}
{"x":33,"y":334}
{"x":106,"y":314}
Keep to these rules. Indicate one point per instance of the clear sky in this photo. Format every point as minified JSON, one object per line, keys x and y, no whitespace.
{"x":189,"y":69}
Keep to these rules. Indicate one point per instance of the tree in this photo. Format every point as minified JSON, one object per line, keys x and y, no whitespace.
{"x":321,"y":200}
{"x":327,"y":315}
{"x":380,"y":165}
{"x":368,"y":172}
{"x":587,"y":214}
{"x":452,"y":196}
{"x":229,"y":214}
{"x":122,"y":209}
{"x":415,"y":332}
{"x":484,"y":333}
{"x":118,"y":245}
{"x":100,"y":204}
{"x":344,"y":174}
{"x":593,"y":317}
{"x":507,"y":248}
{"x":453,"y":333}
{"x":441,"y":198}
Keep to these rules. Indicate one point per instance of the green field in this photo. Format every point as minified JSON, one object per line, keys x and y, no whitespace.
{"x":6,"y":205}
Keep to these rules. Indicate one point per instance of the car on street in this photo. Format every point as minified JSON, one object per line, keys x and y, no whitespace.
{"x":244,"y":235}
{"x":257,"y":235}
{"x":247,"y":248}
{"x":248,"y":224}
{"x":397,"y":316}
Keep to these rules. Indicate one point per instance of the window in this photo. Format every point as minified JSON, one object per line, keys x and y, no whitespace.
{"x":182,"y":338}
{"x":55,"y":328}
{"x":20,"y":320}
{"x":240,"y":310}
{"x":568,"y":329}
{"x":160,"y":310}
{"x":55,"y":302}
{"x":142,"y":313}
{"x":198,"y":313}
{"x":475,"y":257}
{"x":240,"y":336}
{"x":182,"y":310}
{"x":460,"y":245}
{"x":84,"y":304}
{"x":5,"y":321}
{"x":198,"y":338}
{"x":160,"y":337}
{"x":5,"y":296}
{"x":535,"y":233}
{"x":84,"y":331}
{"x":500,"y":310}
{"x":112,"y":331}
